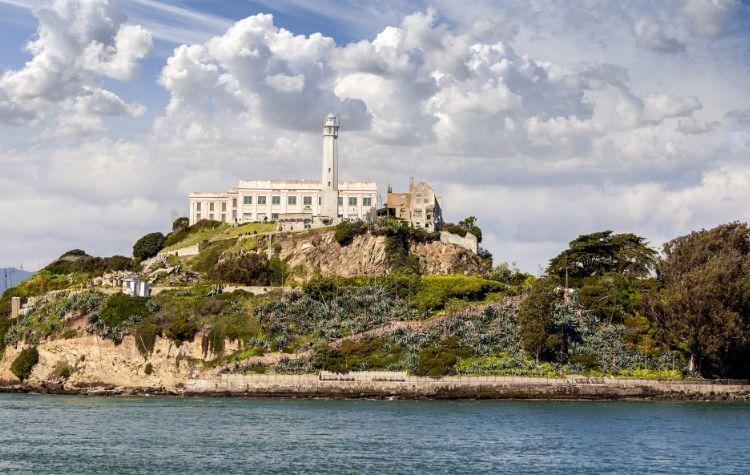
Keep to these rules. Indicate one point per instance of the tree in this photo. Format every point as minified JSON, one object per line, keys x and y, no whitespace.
{"x":543,"y":336}
{"x":148,"y":246}
{"x":246,"y":269}
{"x":603,"y":253}
{"x":182,"y":222}
{"x":470,"y":225}
{"x":703,"y":299}
{"x":25,"y":362}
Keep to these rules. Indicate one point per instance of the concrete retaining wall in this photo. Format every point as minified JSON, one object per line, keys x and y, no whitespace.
{"x":468,"y":242}
{"x":384,"y":384}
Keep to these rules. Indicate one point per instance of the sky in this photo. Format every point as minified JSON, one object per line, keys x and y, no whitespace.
{"x":544,"y":119}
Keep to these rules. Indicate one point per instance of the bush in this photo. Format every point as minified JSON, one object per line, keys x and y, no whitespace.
{"x":25,"y":362}
{"x":454,"y":229}
{"x":439,"y":359}
{"x":148,"y":369}
{"x":145,"y":334}
{"x":368,"y":354}
{"x":63,"y":370}
{"x":181,"y":329}
{"x":210,"y":254}
{"x":246,"y":269}
{"x":436,"y":290}
{"x":148,"y":246}
{"x":182,"y":222}
{"x":347,"y":230}
{"x":120,"y":307}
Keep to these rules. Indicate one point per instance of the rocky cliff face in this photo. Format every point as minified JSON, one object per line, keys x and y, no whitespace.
{"x":365,"y":255}
{"x":99,"y":363}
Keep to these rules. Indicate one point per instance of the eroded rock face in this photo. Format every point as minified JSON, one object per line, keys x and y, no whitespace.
{"x":99,"y":362}
{"x":365,"y":255}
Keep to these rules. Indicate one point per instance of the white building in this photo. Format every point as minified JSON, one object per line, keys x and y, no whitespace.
{"x":294,"y":204}
{"x":135,"y":287}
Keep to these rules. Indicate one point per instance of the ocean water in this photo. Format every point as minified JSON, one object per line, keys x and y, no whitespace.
{"x":72,"y":434}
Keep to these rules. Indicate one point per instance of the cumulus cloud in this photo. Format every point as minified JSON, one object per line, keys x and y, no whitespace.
{"x":77,"y":43}
{"x":649,"y":33}
{"x":710,"y":17}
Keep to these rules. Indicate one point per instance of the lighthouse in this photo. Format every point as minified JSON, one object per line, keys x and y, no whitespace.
{"x":330,"y":178}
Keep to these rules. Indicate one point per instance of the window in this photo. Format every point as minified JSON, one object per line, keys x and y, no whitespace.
{"x":247,"y":216}
{"x":291,"y":200}
{"x":248,"y":200}
{"x":274,"y":216}
{"x":198,"y":217}
{"x":261,"y":200}
{"x":234,"y":202}
{"x":198,"y":206}
{"x":223,"y":206}
{"x":211,"y":217}
{"x":341,"y":201}
{"x":307,"y":200}
{"x":223,"y":217}
{"x":320,"y":200}
{"x":210,"y":206}
{"x":366,"y":201}
{"x":276,"y":200}
{"x":352,"y":201}
{"x":234,"y":215}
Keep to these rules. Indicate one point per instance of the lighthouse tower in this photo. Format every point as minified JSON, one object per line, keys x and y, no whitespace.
{"x":330,"y":178}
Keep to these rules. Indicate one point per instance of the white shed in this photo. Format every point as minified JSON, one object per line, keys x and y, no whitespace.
{"x":135,"y":287}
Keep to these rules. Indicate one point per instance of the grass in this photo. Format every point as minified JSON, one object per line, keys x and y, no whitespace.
{"x":247,"y":228}
{"x":196,"y":237}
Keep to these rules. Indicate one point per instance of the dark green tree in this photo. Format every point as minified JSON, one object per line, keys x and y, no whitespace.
{"x":470,"y":225}
{"x":25,"y":362}
{"x":703,"y":299}
{"x":148,"y":246}
{"x":603,"y":253}
{"x":542,"y":332}
{"x":182,"y":222}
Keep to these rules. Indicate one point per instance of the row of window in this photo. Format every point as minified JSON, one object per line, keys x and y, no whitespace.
{"x":306,"y":200}
{"x":276,"y":200}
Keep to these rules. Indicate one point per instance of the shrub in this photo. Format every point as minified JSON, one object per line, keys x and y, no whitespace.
{"x":440,"y":358}
{"x":181,"y":329}
{"x":246,"y":269}
{"x":148,"y":369}
{"x":210,"y":254}
{"x":25,"y":362}
{"x":436,"y":290}
{"x":180,"y":223}
{"x":454,"y":229}
{"x":148,"y":246}
{"x":120,"y":307}
{"x":145,"y":334}
{"x":63,"y":370}
{"x":347,"y":230}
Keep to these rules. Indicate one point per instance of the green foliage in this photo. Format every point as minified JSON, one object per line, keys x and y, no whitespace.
{"x":25,"y":362}
{"x":148,"y":246}
{"x":345,"y":231}
{"x":603,"y":253}
{"x":63,"y":370}
{"x":436,"y":290}
{"x":470,"y":225}
{"x":365,"y":355}
{"x":454,"y":229}
{"x":514,"y":280}
{"x":250,"y":268}
{"x":120,"y":307}
{"x":536,"y":319}
{"x":441,"y":357}
{"x":183,"y":222}
{"x":210,"y":254}
{"x":145,"y":333}
{"x":83,"y":263}
{"x":181,"y":329}
{"x":201,"y":231}
{"x":148,"y":370}
{"x":703,"y":299}
{"x":506,"y":364}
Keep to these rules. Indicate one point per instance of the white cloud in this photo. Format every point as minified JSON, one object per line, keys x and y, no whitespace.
{"x":710,"y":17}
{"x":77,"y":42}
{"x":649,"y":34}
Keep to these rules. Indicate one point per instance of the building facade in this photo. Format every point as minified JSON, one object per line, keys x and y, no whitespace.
{"x":294,"y":204}
{"x":420,"y":206}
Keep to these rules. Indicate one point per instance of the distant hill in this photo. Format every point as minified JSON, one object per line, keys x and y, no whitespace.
{"x":10,"y":277}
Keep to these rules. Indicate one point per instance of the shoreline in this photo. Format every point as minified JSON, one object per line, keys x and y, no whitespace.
{"x":381,"y":385}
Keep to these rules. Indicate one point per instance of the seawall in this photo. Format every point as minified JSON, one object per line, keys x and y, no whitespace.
{"x":381,"y":385}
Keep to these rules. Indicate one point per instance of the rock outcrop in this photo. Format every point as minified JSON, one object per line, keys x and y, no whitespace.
{"x":365,"y":255}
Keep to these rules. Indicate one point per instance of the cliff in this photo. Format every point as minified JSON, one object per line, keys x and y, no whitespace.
{"x":366,"y":255}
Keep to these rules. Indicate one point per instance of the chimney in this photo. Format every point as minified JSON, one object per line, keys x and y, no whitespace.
{"x":411,"y":183}
{"x":15,"y":307}
{"x":390,"y":188}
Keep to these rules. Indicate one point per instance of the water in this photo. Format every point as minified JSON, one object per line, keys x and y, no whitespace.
{"x":71,"y":434}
